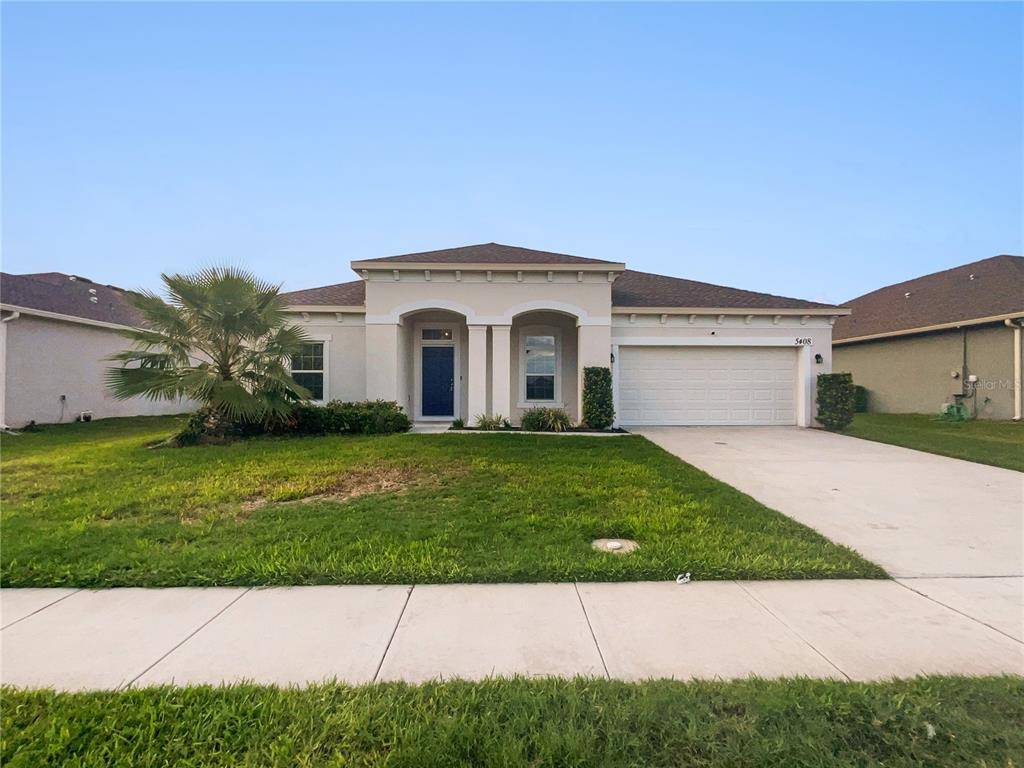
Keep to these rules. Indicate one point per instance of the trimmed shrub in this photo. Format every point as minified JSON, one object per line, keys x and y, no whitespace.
{"x":598,"y":408}
{"x":371,"y":417}
{"x":313,"y":420}
{"x":545,"y":420}
{"x":860,"y":399}
{"x":836,"y":400}
{"x":459,"y":423}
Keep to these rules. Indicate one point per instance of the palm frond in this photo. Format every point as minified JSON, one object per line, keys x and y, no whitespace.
{"x":222,"y":337}
{"x":152,"y":383}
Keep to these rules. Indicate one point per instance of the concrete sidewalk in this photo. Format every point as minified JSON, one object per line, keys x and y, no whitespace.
{"x":860,"y":630}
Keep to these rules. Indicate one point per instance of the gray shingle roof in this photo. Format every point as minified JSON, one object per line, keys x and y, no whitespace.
{"x":489,"y":253}
{"x":352,"y":294}
{"x":69,"y":295}
{"x":986,"y":288}
{"x":630,"y":289}
{"x":644,"y":289}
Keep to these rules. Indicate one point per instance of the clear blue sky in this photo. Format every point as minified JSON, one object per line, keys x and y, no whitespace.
{"x":819,"y":151}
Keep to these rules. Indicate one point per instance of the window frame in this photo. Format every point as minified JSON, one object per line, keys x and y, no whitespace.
{"x":325,"y":371}
{"x":540,"y":330}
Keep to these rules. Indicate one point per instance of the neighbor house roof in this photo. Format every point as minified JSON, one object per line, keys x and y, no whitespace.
{"x":644,"y":289}
{"x":351,"y":294}
{"x":70,"y":295}
{"x":487,"y":253}
{"x":985,"y":289}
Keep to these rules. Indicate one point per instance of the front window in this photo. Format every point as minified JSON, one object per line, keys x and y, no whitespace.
{"x":541,"y":365}
{"x":308,"y":368}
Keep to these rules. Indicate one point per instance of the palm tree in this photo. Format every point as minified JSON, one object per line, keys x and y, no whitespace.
{"x":221,"y":338}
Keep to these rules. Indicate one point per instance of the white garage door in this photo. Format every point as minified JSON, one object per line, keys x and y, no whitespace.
{"x":707,"y":385}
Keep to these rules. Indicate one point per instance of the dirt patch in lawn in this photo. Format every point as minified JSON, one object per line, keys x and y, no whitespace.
{"x":351,"y":484}
{"x":344,"y":486}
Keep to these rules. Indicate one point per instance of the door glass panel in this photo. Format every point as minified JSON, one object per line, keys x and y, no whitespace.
{"x":437,"y":334}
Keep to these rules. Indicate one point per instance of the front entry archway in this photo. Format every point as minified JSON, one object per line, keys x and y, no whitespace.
{"x":436,"y":361}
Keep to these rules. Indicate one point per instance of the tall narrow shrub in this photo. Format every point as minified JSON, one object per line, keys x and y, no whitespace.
{"x":598,"y":406}
{"x":837,"y":398}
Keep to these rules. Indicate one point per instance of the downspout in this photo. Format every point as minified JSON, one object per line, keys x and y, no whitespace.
{"x":1018,"y":374}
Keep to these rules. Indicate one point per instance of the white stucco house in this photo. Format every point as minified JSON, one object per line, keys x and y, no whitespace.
{"x":55,"y":332}
{"x":497,"y":329}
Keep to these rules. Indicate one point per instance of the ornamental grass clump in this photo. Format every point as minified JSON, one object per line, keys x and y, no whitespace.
{"x":545,"y":420}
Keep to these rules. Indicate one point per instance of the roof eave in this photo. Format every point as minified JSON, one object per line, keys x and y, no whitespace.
{"x":930,"y":328}
{"x":477,"y":266}
{"x":44,"y":313}
{"x":349,"y":308}
{"x":621,"y":309}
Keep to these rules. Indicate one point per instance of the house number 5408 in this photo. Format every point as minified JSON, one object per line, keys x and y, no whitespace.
{"x":803,"y":341}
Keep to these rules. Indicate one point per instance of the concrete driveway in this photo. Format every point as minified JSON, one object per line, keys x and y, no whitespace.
{"x":913,"y":513}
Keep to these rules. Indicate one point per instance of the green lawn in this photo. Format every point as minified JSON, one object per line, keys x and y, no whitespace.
{"x":999,"y":443}
{"x":90,"y":505}
{"x":955,"y":722}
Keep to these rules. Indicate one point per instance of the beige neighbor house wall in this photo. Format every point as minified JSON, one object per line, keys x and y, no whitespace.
{"x":809,"y":335}
{"x":45,"y":359}
{"x":913,"y":374}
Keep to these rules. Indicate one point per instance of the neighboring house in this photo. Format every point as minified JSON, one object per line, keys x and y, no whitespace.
{"x":498,"y":329}
{"x":55,"y":332}
{"x":933,"y":340}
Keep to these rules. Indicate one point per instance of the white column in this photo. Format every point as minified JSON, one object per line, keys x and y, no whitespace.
{"x":501,"y":370}
{"x":382,"y":363}
{"x":594,"y":348}
{"x":477,"y":372}
{"x":805,"y":388}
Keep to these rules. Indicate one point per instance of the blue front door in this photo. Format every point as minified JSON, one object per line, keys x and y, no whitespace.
{"x":438,"y":375}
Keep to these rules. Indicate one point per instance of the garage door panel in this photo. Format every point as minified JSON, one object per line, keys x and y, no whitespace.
{"x":707,"y":385}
